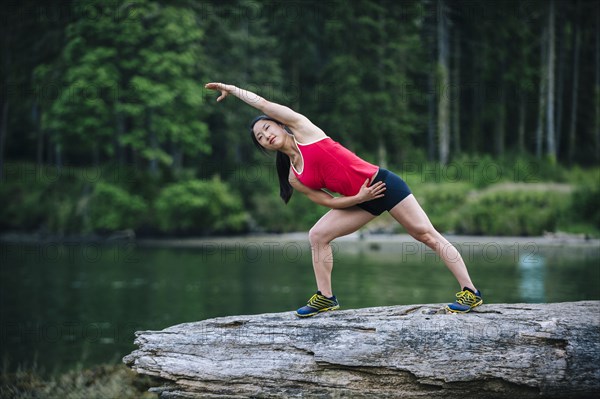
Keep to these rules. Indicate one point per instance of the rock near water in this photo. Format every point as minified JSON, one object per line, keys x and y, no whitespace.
{"x":496,"y":351}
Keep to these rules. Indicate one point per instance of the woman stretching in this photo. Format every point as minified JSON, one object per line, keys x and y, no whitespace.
{"x":310,"y":161}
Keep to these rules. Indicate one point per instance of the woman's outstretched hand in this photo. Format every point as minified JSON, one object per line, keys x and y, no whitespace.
{"x":368,"y":193}
{"x":223,"y":88}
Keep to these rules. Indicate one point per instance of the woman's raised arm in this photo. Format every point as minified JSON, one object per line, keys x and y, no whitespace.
{"x":297,"y":122}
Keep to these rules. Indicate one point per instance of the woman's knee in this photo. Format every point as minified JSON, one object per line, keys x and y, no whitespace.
{"x":425,"y":234}
{"x":317,"y":235}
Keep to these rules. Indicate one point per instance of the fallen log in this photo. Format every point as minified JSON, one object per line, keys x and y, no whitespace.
{"x":496,"y":351}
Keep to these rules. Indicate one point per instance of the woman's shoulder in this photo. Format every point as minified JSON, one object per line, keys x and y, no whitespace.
{"x":307,"y":132}
{"x":321,"y":139}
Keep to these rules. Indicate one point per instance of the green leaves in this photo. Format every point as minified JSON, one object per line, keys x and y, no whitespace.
{"x":112,"y":208}
{"x":136,"y":79}
{"x":199,"y":206}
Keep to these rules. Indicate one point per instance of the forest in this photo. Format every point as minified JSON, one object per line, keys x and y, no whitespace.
{"x":105,"y":123}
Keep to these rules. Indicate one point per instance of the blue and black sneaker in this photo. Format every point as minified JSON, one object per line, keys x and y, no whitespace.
{"x":466,"y":300}
{"x":316,"y":304}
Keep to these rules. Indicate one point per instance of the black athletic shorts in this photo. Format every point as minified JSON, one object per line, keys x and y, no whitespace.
{"x":396,"y":190}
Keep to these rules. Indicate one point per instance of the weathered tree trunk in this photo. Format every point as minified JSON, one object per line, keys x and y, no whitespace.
{"x":496,"y":351}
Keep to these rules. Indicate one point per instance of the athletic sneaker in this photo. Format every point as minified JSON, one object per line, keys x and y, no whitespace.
{"x":466,"y":300}
{"x":316,"y":304}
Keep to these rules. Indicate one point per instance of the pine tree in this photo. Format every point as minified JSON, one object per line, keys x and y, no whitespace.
{"x":129,"y":79}
{"x":239,"y":50}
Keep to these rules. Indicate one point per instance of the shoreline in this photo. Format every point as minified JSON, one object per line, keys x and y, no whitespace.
{"x":351,"y":240}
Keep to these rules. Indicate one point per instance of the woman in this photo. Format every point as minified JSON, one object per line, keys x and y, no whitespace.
{"x":310,"y":161}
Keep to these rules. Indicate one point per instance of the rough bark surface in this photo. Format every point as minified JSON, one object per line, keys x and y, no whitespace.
{"x":497,"y":351}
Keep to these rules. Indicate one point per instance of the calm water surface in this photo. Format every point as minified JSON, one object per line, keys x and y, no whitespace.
{"x":75,"y":305}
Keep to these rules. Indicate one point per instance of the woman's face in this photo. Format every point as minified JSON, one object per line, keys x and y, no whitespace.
{"x":269,"y":134}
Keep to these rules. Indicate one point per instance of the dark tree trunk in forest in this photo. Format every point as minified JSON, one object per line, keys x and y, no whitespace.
{"x":177,"y":157}
{"x":431,"y":85}
{"x":39,"y":134}
{"x":296,"y":88}
{"x":58,"y":155}
{"x":5,"y":102}
{"x":550,"y":135}
{"x":522,"y":106}
{"x":521,"y":126}
{"x":477,"y":96}
{"x":478,"y":100}
{"x":575,"y":87}
{"x":597,"y":86}
{"x":500,"y":122}
{"x":119,"y":132}
{"x":539,"y":135}
{"x":456,"y":147}
{"x":443,"y":84}
{"x":3,"y":132}
{"x":431,"y":115}
{"x":382,"y":154}
{"x":381,"y":149}
{"x":560,"y":79}
{"x":95,"y":155}
{"x":153,"y":162}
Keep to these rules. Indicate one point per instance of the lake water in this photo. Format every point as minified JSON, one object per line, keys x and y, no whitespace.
{"x":75,"y":305}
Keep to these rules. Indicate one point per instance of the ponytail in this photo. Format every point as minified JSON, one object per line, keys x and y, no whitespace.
{"x":282,"y":162}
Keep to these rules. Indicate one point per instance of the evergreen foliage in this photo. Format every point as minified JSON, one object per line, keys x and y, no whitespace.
{"x":88,"y":83}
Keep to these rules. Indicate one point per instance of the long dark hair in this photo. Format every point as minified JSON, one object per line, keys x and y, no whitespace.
{"x":282,"y":161}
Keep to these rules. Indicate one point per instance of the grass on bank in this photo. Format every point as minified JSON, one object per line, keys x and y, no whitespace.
{"x":99,"y":382}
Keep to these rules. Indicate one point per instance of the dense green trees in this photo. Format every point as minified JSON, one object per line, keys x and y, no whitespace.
{"x":91,"y":82}
{"x":128,"y":81}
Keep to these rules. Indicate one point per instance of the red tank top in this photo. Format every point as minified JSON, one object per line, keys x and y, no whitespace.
{"x":327,"y":164}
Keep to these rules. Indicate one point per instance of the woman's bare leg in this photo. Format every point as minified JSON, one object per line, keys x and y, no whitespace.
{"x":335,"y":223}
{"x":410,"y":215}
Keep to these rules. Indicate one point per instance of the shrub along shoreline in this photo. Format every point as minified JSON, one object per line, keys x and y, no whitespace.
{"x":101,"y":201}
{"x":98,"y":382}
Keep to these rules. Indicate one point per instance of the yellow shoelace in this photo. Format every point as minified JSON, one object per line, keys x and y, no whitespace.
{"x":466,"y":298}
{"x":319,"y":301}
